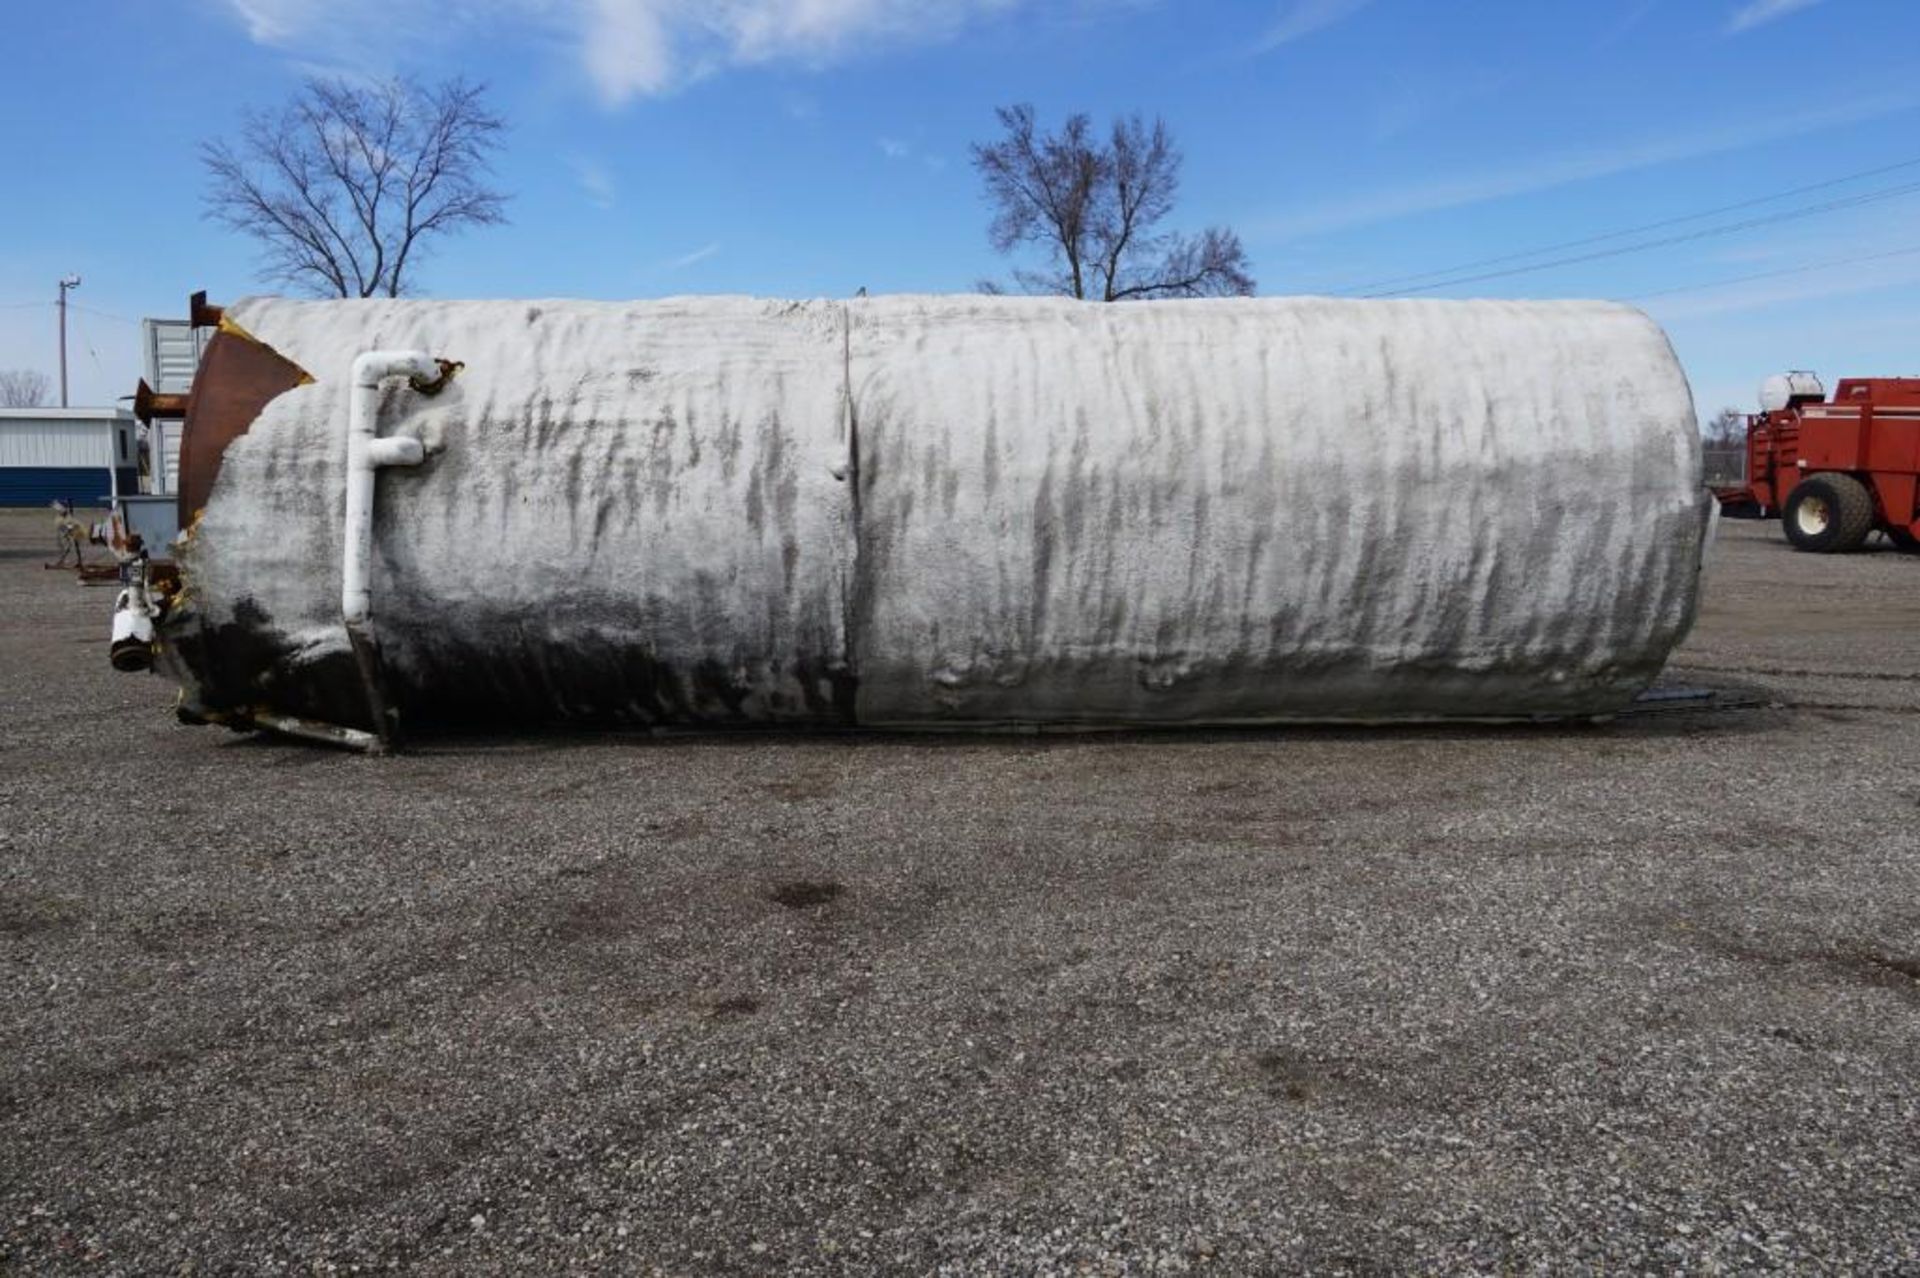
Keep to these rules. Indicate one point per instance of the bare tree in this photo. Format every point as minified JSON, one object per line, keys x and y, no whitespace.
{"x":23,"y":388}
{"x":346,"y":185}
{"x":1727,"y":429}
{"x":1094,"y":207}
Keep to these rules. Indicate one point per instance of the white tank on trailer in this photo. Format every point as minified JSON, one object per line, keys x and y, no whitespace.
{"x":1784,"y":390}
{"x":958,"y":512}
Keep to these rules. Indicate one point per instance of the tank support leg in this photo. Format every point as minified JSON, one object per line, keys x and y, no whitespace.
{"x":386,"y":723}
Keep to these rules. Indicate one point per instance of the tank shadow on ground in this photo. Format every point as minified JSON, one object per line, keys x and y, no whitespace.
{"x":1729,"y":707}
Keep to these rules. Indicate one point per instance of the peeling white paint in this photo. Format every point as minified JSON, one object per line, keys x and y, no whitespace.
{"x":1298,"y":508}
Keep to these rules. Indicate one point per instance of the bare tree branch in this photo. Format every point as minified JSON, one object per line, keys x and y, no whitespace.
{"x":345,"y":186}
{"x":1211,"y":264}
{"x":1728,"y":427}
{"x":23,"y":388}
{"x":1094,"y":210}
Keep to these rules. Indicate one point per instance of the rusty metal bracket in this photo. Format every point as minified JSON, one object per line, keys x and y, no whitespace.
{"x":434,"y":385}
{"x":149,"y":403}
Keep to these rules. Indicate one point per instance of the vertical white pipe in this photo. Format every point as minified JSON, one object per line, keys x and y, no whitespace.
{"x":365,"y":455}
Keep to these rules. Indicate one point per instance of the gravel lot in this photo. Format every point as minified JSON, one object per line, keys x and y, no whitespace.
{"x":1641,"y":996}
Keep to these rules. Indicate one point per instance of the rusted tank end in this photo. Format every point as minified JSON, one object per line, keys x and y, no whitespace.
{"x":239,"y":375}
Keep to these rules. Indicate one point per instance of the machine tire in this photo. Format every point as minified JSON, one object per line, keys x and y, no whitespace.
{"x":1828,"y":514}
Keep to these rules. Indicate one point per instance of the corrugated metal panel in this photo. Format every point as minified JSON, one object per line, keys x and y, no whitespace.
{"x":163,"y":455}
{"x":170,"y":458}
{"x":172,"y":349}
{"x":50,"y":437}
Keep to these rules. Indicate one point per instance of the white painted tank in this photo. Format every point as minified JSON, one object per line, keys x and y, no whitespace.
{"x":1783,"y":390}
{"x":964,"y":511}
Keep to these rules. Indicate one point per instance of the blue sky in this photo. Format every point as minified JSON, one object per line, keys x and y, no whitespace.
{"x":811,"y":147}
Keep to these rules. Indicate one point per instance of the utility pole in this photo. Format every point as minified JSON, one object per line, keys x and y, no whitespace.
{"x":66,"y":283}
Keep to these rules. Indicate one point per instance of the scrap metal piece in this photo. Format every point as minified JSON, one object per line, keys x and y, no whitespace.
{"x":202,"y":314}
{"x":149,"y":403}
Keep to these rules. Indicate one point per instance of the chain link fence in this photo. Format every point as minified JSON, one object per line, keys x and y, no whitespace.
{"x":1725,"y":463}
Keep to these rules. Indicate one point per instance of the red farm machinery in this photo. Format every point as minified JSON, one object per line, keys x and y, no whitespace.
{"x":1835,"y":470}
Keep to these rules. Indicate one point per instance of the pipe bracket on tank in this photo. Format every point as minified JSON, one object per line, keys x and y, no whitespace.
{"x":434,"y":385}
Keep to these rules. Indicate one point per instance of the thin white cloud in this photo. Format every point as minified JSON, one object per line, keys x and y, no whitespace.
{"x":595,"y":182}
{"x":268,"y":21}
{"x":1627,"y":22}
{"x":1861,"y":251}
{"x":667,"y":43}
{"x":346,"y":33}
{"x":895,"y":149}
{"x":1301,"y":18}
{"x":1401,"y":105}
{"x":1855,"y":280}
{"x":638,"y":48}
{"x":694,"y":258}
{"x":1549,"y":172}
{"x":628,"y":47}
{"x":1757,"y":13}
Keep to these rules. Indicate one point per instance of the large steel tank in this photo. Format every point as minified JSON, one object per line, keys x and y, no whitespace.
{"x":936,"y":512}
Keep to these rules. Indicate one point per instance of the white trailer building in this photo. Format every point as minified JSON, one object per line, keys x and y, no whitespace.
{"x":82,"y":455}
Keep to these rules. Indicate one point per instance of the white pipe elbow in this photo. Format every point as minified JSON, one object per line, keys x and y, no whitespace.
{"x":370,"y":368}
{"x":395,"y":450}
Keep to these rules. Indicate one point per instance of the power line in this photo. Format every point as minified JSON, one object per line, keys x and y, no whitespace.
{"x":80,"y":332}
{"x":102,"y":314}
{"x":72,"y":306}
{"x":1398,"y":280}
{"x":1770,"y":275}
{"x":1829,"y":206}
